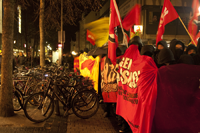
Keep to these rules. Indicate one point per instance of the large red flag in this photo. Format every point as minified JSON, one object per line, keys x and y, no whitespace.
{"x":192,"y":27}
{"x":133,"y":17}
{"x":115,"y":20}
{"x":168,"y":14}
{"x":91,"y":37}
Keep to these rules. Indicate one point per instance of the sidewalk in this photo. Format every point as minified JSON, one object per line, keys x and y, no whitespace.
{"x":58,"y":124}
{"x":95,"y":124}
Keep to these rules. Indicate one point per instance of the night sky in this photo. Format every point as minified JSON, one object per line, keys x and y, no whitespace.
{"x":70,"y":31}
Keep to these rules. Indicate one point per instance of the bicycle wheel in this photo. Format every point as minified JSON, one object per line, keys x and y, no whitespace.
{"x":36,"y":88}
{"x":17,"y":100}
{"x":85,"y":104}
{"x":42,"y":108}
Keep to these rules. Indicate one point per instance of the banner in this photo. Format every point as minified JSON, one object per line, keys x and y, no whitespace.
{"x":168,"y":14}
{"x":137,"y":91}
{"x":89,"y":67}
{"x":178,"y":99}
{"x":109,"y":84}
{"x":91,"y":37}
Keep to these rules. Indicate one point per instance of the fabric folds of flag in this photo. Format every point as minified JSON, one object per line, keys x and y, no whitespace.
{"x":91,"y":37}
{"x":192,"y":26}
{"x":115,"y":20}
{"x":168,"y":14}
{"x":133,"y":17}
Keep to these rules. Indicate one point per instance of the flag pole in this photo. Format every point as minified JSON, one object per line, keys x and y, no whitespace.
{"x":186,"y":30}
{"x":118,"y":15}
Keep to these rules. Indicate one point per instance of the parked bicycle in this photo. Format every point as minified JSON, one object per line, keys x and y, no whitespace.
{"x":79,"y":97}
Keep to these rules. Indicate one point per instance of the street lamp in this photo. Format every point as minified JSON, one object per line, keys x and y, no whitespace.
{"x":199,"y":9}
{"x":74,"y":53}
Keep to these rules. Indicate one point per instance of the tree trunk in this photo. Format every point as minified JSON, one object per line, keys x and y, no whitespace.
{"x":41,"y":25}
{"x":6,"y":90}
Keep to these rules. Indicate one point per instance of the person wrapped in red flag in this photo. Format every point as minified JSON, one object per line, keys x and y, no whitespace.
{"x":137,"y":90}
{"x":168,"y":14}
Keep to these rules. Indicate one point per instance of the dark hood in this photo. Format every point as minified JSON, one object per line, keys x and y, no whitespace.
{"x":186,"y":59}
{"x":147,"y":50}
{"x":163,"y":43}
{"x":198,"y":46}
{"x":165,"y":56}
{"x":191,"y":46}
{"x":173,"y":48}
{"x":136,"y":40}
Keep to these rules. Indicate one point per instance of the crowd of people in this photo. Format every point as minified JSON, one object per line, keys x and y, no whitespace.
{"x":177,"y":52}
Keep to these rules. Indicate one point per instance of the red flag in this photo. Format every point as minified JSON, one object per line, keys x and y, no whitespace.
{"x":168,"y":14}
{"x":137,"y":90}
{"x":91,"y":37}
{"x":133,"y":17}
{"x":192,"y":27}
{"x":115,"y":20}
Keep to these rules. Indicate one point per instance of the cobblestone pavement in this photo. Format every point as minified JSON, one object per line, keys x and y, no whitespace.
{"x":70,"y":124}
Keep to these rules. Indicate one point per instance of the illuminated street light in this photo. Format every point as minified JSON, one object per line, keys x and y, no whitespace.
{"x":199,"y":9}
{"x":74,"y":53}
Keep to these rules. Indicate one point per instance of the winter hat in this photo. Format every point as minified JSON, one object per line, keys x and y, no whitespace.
{"x":165,"y":56}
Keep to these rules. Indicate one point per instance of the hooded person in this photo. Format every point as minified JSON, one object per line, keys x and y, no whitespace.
{"x":186,"y":59}
{"x":165,"y":57}
{"x":160,"y":45}
{"x":197,"y":56}
{"x":191,"y":50}
{"x":136,"y":40}
{"x":147,"y":50}
{"x":177,"y":47}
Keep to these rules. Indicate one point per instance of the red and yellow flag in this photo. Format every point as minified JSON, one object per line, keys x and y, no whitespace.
{"x":89,"y":67}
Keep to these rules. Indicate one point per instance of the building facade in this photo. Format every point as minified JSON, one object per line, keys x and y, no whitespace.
{"x":150,"y":16}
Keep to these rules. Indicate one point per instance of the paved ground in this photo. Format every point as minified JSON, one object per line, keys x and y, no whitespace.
{"x":56,"y":124}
